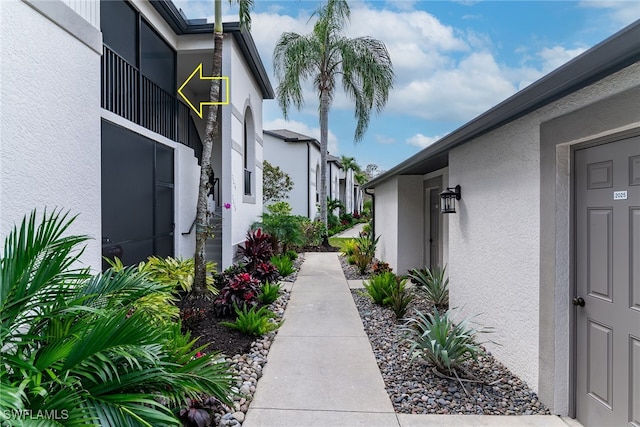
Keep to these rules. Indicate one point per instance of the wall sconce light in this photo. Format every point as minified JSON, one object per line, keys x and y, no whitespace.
{"x":449,"y":197}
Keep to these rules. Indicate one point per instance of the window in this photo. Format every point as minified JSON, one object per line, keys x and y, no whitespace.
{"x":249,"y":157}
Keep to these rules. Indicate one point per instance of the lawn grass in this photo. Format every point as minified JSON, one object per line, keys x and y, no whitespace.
{"x":338,"y":242}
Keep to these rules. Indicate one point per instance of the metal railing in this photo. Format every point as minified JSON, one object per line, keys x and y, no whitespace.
{"x":129,"y":94}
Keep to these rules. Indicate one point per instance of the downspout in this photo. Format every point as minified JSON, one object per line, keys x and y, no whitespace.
{"x":309,"y":181}
{"x":373,"y":211}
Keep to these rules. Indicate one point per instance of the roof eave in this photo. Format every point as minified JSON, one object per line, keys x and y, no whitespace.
{"x":180,"y":26}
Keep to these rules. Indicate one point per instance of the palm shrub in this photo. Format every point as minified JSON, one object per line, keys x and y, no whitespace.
{"x":314,"y":232}
{"x":77,"y":346}
{"x":284,"y":264}
{"x":254,"y":322}
{"x":433,"y":284}
{"x":437,"y":339}
{"x":269,"y":293}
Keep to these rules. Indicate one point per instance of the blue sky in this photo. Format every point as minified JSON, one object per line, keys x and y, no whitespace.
{"x":453,"y":60}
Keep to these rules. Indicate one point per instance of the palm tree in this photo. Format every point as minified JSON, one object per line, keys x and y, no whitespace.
{"x":350,"y":163}
{"x":363,"y":64}
{"x":212,"y":130}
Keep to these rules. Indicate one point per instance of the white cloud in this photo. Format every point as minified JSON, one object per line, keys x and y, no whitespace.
{"x":553,"y":57}
{"x":384,"y":139}
{"x":419,"y":140}
{"x":304,"y":129}
{"x":621,"y":13}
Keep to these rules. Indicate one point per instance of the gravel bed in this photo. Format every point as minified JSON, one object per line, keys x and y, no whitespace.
{"x":415,"y":389}
{"x":247,"y":368}
{"x":351,"y":272}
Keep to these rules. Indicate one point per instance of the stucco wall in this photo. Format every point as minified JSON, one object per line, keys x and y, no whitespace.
{"x":493,"y":240}
{"x":244,"y":93}
{"x":187,"y":180}
{"x":50,"y":123}
{"x":386,"y":221}
{"x":411,"y":223}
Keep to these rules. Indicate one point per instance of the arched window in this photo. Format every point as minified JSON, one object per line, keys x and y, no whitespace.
{"x":249,"y":154}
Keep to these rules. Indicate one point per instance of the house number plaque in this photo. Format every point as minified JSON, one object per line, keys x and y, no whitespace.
{"x":619,"y":195}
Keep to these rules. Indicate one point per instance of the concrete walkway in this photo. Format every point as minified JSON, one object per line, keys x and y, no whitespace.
{"x":352,"y":232}
{"x":321,"y":370}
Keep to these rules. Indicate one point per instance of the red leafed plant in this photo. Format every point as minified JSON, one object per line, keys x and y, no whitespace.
{"x":241,"y":290}
{"x":256,"y":249}
{"x":266,"y":272}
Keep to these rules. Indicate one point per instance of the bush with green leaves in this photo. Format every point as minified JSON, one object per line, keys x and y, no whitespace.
{"x":284,"y":264}
{"x":269,"y":293}
{"x":432,"y":284}
{"x":292,"y":255}
{"x":314,"y":232}
{"x":437,"y":339}
{"x":78,"y":344}
{"x":173,"y":271}
{"x":286,"y":229}
{"x":254,"y":322}
{"x":380,"y":287}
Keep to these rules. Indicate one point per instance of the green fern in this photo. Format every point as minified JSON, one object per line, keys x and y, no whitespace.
{"x":269,"y":293}
{"x":252,"y":322}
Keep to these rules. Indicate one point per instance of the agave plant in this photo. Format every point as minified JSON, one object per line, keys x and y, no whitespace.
{"x":78,"y":347}
{"x":437,"y":339}
{"x":433,"y":284}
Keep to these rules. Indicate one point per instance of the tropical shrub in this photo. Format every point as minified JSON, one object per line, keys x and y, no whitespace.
{"x":77,"y":345}
{"x":242,"y":290}
{"x":256,"y":249}
{"x":365,"y":251}
{"x":284,"y":264}
{"x":314,"y":232}
{"x":254,"y":322}
{"x":266,"y":272}
{"x":292,"y":255}
{"x":435,"y":338}
{"x":381,"y":286}
{"x":399,"y":300}
{"x":348,"y":247}
{"x":269,"y":293}
{"x":432,"y":284}
{"x":286,"y":229}
{"x":380,"y":267}
{"x":176,"y":272}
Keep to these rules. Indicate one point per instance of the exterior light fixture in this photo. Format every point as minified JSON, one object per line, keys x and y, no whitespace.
{"x":449,"y":197}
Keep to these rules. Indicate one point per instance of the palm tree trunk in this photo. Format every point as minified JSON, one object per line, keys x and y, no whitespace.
{"x":324,"y":131}
{"x":212,"y":131}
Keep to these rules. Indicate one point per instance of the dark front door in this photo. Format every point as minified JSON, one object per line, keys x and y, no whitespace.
{"x":137,"y":196}
{"x":607,"y":300}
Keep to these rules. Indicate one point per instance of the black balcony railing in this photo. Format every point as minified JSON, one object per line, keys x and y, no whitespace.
{"x":129,"y":94}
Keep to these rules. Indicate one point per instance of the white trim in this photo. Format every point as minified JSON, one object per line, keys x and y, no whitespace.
{"x":120,"y":121}
{"x":70,"y":21}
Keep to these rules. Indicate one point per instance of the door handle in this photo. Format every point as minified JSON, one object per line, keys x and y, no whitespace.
{"x":578,"y":301}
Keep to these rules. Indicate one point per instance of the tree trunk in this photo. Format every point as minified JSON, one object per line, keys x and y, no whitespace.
{"x":324,"y":130}
{"x":212,"y":131}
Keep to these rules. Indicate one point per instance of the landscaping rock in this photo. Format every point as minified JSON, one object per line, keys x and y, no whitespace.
{"x":415,"y":389}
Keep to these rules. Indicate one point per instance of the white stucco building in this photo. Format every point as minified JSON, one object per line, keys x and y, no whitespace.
{"x":545,"y":241}
{"x":111,"y":140}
